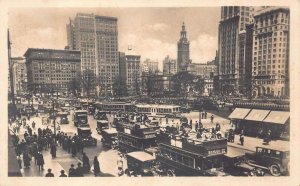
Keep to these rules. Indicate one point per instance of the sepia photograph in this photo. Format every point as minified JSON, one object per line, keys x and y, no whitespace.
{"x":127,"y":91}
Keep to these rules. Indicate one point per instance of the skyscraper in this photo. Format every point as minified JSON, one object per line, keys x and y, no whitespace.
{"x":130,"y":71}
{"x":97,"y":39}
{"x":231,"y":47}
{"x":271,"y":52}
{"x":183,"y":51}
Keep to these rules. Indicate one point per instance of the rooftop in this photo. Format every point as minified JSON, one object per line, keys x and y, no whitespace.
{"x":269,"y":10}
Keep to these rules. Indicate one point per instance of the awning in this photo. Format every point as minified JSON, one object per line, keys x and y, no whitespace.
{"x":239,"y":113}
{"x":257,"y":115}
{"x":278,"y":117}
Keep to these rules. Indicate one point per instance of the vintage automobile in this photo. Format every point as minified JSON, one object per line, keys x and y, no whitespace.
{"x":63,"y":118}
{"x":80,"y":118}
{"x":91,"y":110}
{"x":274,"y":160}
{"x":86,"y":135}
{"x":140,"y":163}
{"x":101,"y":125}
{"x":100,"y":115}
{"x":110,"y":138}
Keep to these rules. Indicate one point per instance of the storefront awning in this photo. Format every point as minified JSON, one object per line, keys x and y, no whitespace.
{"x":277,"y":117}
{"x":257,"y":115}
{"x":239,"y":113}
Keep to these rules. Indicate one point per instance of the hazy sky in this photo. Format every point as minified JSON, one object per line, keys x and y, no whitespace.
{"x":153,"y":32}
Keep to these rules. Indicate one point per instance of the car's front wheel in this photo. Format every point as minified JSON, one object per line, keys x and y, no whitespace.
{"x":275,"y":170}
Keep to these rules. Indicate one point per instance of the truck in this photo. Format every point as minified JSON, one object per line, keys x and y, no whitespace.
{"x":80,"y":118}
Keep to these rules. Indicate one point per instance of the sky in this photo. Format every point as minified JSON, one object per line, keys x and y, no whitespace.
{"x":152,"y":32}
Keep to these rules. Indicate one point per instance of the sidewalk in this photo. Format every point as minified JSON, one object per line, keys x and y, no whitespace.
{"x":251,"y":143}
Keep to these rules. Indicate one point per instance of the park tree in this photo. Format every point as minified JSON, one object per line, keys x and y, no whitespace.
{"x":182,"y":80}
{"x":119,"y":87}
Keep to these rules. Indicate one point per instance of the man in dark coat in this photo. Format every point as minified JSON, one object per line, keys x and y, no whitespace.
{"x":26,"y":160}
{"x":62,"y":174}
{"x":72,"y":171}
{"x":49,"y":174}
{"x":53,"y":150}
{"x":96,"y":166}
{"x":79,"y":170}
{"x":40,"y":161}
{"x":74,"y":148}
{"x":86,"y":162}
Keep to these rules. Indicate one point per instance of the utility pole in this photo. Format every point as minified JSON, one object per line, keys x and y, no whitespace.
{"x":10,"y":65}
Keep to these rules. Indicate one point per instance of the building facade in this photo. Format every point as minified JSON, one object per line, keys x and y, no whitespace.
{"x":231,"y":47}
{"x":51,"y":70}
{"x":130,"y":72}
{"x":97,"y":39}
{"x":206,"y":71}
{"x":183,"y":51}
{"x":169,"y":66}
{"x":19,"y":75}
{"x":271,"y":52}
{"x":150,"y":66}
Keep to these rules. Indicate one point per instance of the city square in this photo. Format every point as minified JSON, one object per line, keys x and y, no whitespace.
{"x":105,"y":106}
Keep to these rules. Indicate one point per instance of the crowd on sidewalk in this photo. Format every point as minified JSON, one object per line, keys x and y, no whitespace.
{"x":30,"y":147}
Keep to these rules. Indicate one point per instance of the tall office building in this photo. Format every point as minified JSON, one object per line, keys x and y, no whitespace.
{"x":231,"y":47}
{"x":130,"y":71}
{"x":271,"y":52}
{"x":19,"y":75}
{"x":97,"y":39}
{"x":169,"y":66}
{"x":183,"y":51}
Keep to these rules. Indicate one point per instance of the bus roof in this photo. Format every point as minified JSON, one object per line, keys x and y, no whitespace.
{"x":78,"y":111}
{"x":141,"y":156}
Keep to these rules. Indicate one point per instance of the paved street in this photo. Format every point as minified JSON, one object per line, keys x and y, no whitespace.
{"x":108,"y":157}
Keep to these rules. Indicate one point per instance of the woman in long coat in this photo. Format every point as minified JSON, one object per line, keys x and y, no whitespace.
{"x":96,"y":166}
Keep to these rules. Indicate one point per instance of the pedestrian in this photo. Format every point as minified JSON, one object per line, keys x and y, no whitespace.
{"x":96,"y":166}
{"x":196,"y":126}
{"x":26,"y":160}
{"x":205,"y":114}
{"x":120,"y":166}
{"x":62,"y":174}
{"x":49,"y":174}
{"x":33,"y":125}
{"x":74,"y":150}
{"x":72,"y":171}
{"x":29,"y":131}
{"x":40,"y":161}
{"x":212,"y":118}
{"x":53,"y":150}
{"x":26,"y":135}
{"x":79,"y":170}
{"x":242,"y":139}
{"x":86,"y":163}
